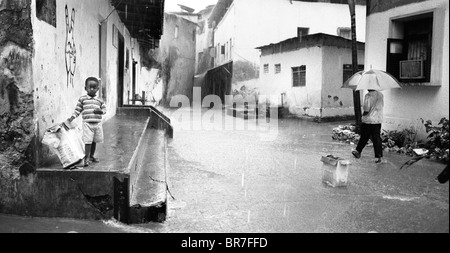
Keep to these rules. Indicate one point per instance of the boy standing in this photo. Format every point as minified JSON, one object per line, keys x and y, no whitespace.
{"x":92,"y":109}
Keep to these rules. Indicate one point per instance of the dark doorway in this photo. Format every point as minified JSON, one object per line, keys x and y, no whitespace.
{"x":218,"y":81}
{"x":102,"y":36}
{"x":134,"y":79}
{"x":121,"y":66}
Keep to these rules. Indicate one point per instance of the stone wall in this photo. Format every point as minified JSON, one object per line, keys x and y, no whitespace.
{"x":17,"y":128}
{"x":16,"y":95}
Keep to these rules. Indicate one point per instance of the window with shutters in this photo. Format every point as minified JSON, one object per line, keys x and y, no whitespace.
{"x":277,"y":68}
{"x":266,"y":68}
{"x":299,"y":76}
{"x":409,"y":54}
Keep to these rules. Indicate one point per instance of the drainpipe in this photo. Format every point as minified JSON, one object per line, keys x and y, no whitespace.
{"x":356,"y":94}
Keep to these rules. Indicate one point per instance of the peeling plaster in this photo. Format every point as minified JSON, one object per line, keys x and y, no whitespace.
{"x":17,"y":139}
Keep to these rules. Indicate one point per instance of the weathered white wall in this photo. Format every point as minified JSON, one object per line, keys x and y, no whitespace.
{"x":226,"y":30}
{"x":404,"y":108}
{"x":203,"y":40}
{"x":337,"y":101}
{"x":300,"y":100}
{"x":177,"y":55}
{"x":255,"y":23}
{"x":55,"y":97}
{"x":17,"y":127}
{"x":262,"y":22}
{"x":323,"y":95}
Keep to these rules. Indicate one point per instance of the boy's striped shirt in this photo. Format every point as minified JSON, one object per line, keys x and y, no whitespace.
{"x":86,"y":106}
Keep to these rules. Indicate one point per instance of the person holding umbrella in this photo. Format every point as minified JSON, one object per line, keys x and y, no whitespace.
{"x":372,"y":119}
{"x":374,"y":81}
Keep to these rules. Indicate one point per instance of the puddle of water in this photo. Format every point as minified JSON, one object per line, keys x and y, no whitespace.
{"x":400,"y":198}
{"x":177,"y":205}
{"x":126,"y":228}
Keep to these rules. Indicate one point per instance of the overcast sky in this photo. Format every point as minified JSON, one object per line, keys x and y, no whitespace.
{"x":198,"y":5}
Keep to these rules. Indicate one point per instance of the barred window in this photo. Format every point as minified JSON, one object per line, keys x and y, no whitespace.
{"x":299,"y":76}
{"x":277,"y":68}
{"x":266,"y":68}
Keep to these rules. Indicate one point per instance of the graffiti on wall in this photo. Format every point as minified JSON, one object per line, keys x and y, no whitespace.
{"x":71,"y":51}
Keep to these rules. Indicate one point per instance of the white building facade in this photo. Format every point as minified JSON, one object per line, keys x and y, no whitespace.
{"x":409,"y":39}
{"x":204,"y":42}
{"x":309,"y":72}
{"x":242,"y":25}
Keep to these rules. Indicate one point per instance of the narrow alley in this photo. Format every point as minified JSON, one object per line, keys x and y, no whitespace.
{"x":215,"y":116}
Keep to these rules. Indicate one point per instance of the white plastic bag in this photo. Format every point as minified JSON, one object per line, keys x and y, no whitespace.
{"x":67,"y":144}
{"x":51,"y":137}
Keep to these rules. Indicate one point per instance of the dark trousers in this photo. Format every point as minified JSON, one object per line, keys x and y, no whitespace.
{"x":372,"y":132}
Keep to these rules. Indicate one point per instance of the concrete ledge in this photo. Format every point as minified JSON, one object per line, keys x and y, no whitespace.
{"x":157,"y":119}
{"x":71,"y":194}
{"x":148,"y":200}
{"x":102,"y":190}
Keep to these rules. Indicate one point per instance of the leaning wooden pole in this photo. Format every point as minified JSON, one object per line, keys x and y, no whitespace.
{"x":356,"y":94}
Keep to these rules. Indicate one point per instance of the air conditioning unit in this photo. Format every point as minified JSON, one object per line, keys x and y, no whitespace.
{"x":412,"y":69}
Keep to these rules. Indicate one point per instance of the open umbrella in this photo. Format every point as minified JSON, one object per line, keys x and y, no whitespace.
{"x":371,"y":80}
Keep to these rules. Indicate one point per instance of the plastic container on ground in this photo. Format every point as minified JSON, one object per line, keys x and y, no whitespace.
{"x":335,"y":171}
